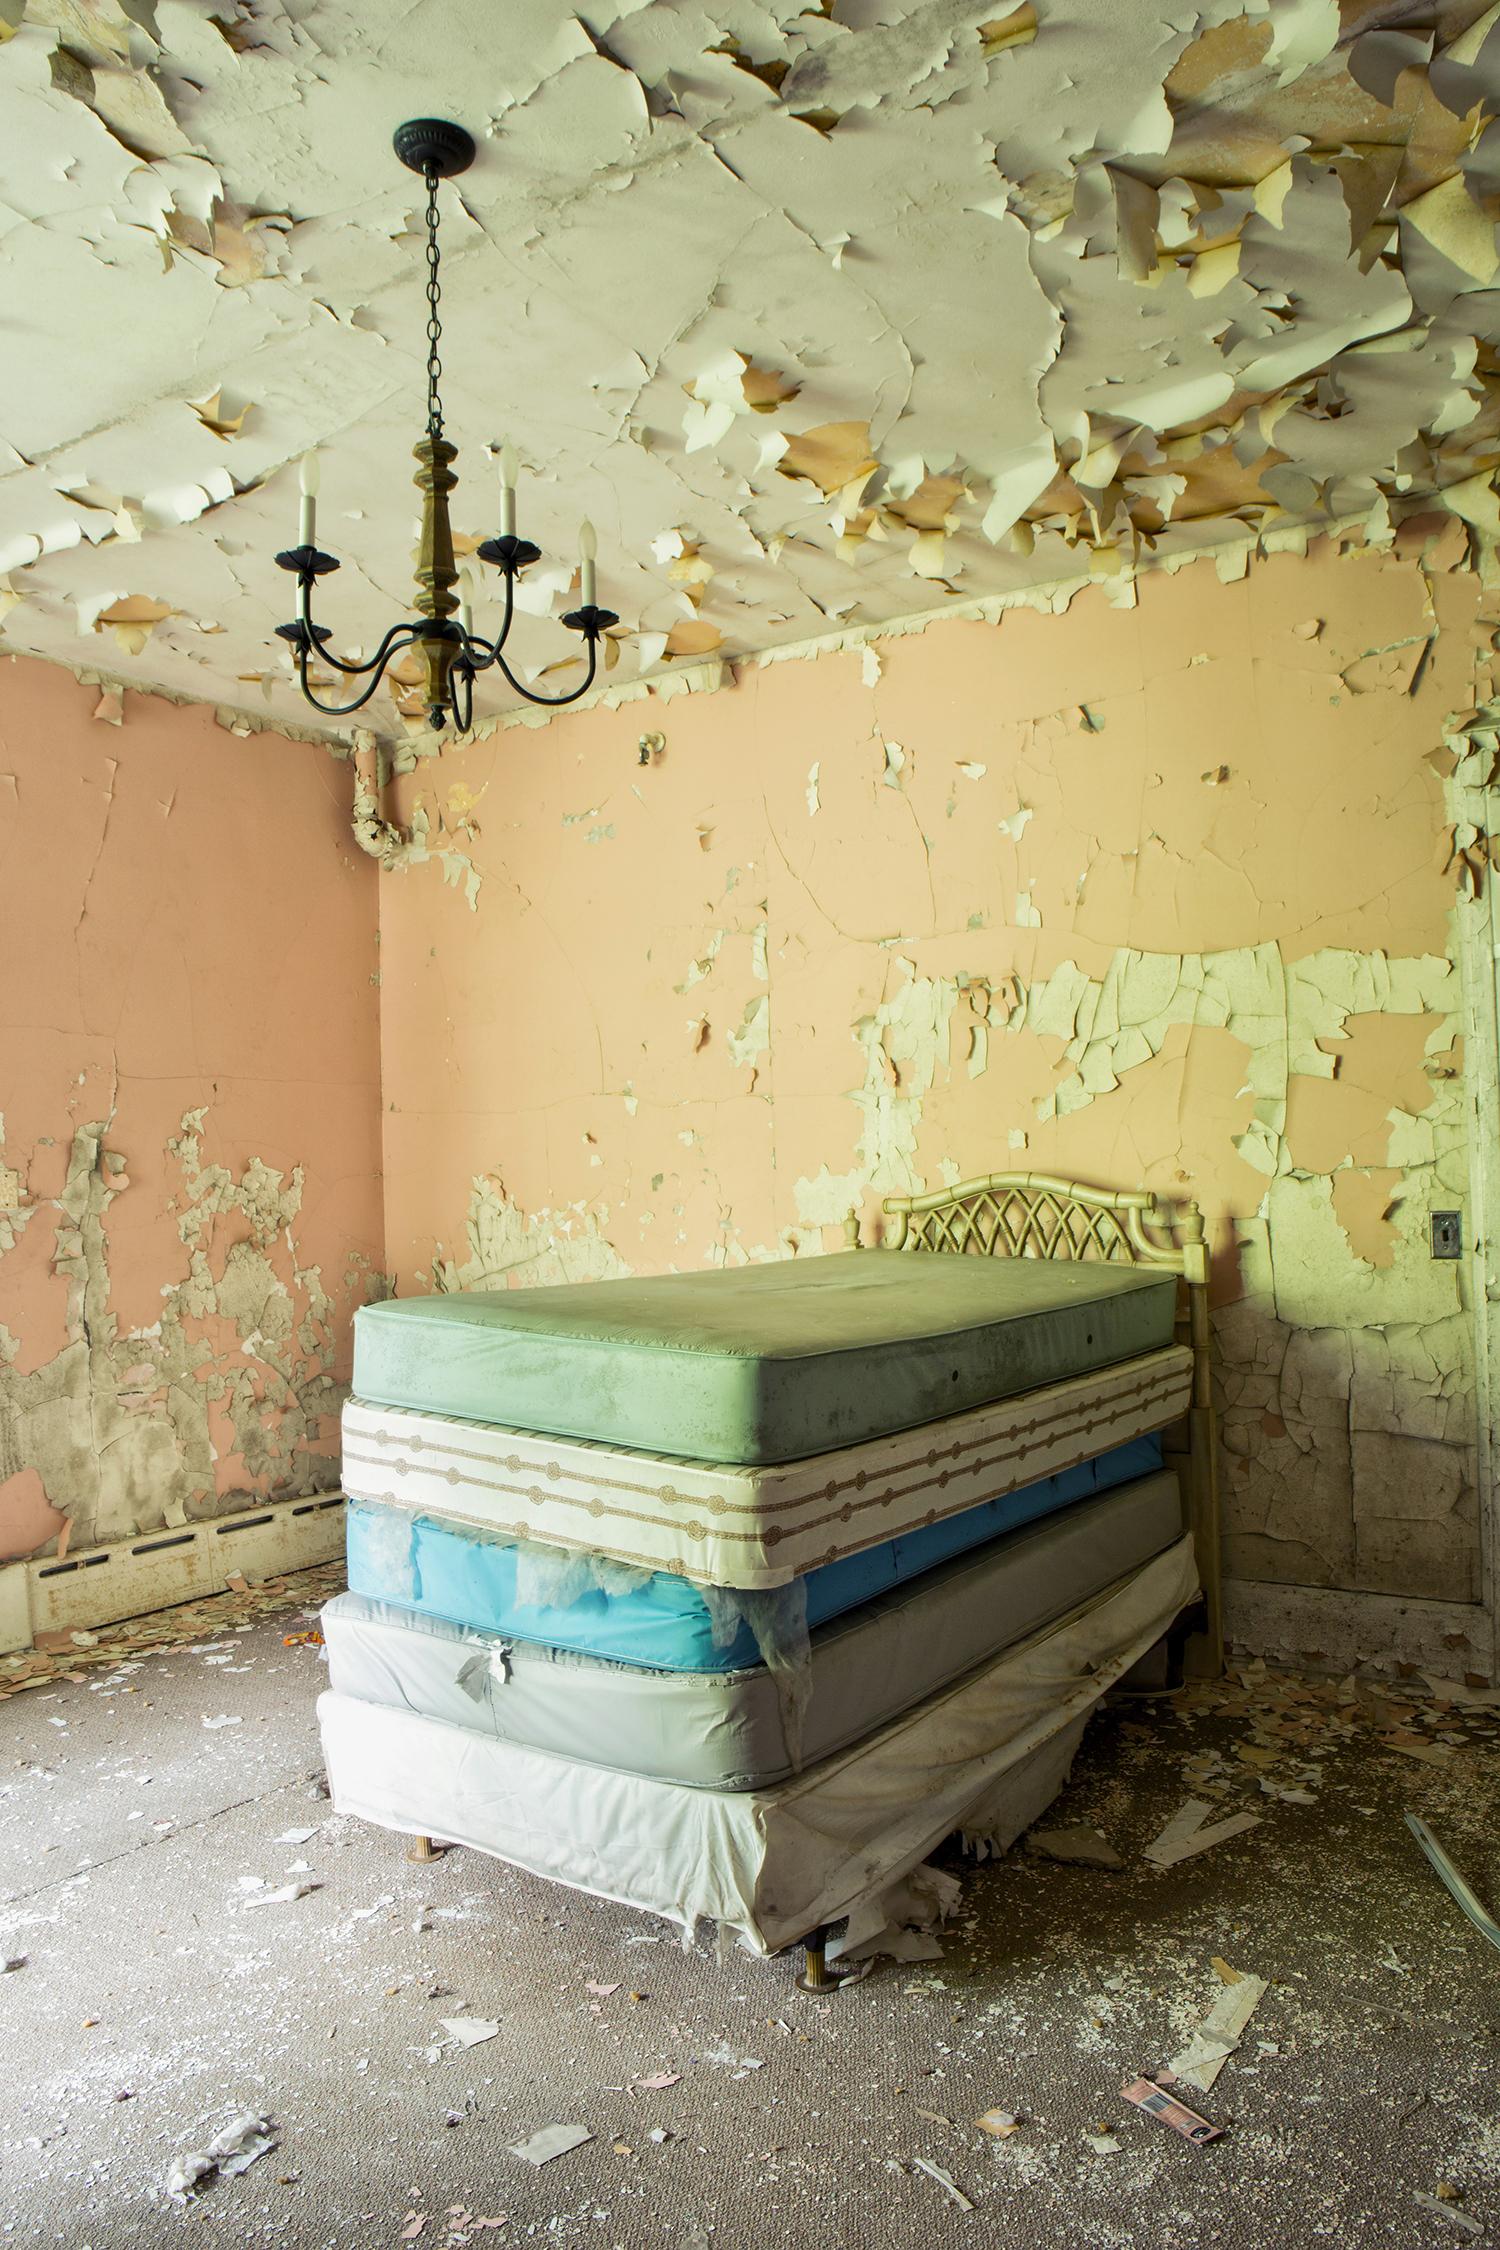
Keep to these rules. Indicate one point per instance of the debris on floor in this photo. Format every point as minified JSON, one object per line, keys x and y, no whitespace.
{"x":69,"y":1655}
{"x":469,"y":2031}
{"x":1218,"y":2034}
{"x":552,"y":2140}
{"x":1185,"y":1835}
{"x":280,"y":1896}
{"x":247,"y":2137}
{"x":1445,"y":2207}
{"x":945,"y":2181}
{"x":1078,"y":1846}
{"x":1146,"y":2094}
{"x":1004,"y":2068}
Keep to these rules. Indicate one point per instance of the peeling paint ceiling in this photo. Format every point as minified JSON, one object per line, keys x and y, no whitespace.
{"x":828,"y":315}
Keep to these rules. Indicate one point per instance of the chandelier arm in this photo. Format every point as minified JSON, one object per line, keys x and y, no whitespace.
{"x":554,"y":702}
{"x":342,"y":710}
{"x":393,"y":640}
{"x":483,"y":655}
{"x":461,"y":694}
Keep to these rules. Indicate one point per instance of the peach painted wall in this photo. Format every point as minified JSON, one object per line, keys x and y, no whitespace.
{"x":1149,"y":893}
{"x":189,"y":1111}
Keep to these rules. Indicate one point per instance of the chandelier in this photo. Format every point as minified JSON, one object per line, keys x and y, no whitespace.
{"x":451,"y":653}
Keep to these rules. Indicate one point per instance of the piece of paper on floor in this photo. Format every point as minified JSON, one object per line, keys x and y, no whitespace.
{"x":469,"y":2031}
{"x":1000,"y":2123}
{"x":278,"y":1897}
{"x":244,"y":2139}
{"x":945,"y":2181}
{"x":294,"y":1835}
{"x":552,"y":2140}
{"x":1465,"y":2221}
{"x":1185,"y":1834}
{"x":1216,"y":2036}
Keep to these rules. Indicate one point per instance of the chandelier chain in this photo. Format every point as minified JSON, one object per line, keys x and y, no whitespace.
{"x":434,"y":321}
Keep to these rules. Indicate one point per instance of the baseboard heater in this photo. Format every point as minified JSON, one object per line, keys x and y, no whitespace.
{"x":160,"y":1569}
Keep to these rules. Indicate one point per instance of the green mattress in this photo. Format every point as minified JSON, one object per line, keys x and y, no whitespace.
{"x":759,"y":1363}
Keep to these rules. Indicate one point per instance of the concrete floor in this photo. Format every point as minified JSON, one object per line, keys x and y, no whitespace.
{"x":143,"y":1806}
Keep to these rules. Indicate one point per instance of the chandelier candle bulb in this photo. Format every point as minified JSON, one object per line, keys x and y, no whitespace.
{"x":308,"y":514}
{"x":509,"y":467}
{"x":466,"y":598}
{"x":588,"y":548}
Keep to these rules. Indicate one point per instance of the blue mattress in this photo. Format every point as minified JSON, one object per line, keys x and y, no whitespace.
{"x":452,"y":1571}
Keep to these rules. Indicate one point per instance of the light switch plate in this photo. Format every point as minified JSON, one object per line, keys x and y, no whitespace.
{"x":1447,"y":1234}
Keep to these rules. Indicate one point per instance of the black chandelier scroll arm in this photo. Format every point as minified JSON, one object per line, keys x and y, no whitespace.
{"x":461,"y":694}
{"x":554,"y":702}
{"x":305,"y":649}
{"x":491,"y":649}
{"x":382,"y":656}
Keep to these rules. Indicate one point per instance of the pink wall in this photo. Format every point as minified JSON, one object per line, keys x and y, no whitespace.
{"x":1150,"y":893}
{"x":189,"y":1089}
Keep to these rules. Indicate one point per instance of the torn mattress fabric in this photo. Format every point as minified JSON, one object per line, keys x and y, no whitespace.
{"x":599,"y":1607}
{"x":769,"y":1864}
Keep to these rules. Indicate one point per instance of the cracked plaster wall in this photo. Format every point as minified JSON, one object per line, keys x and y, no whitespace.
{"x":189,"y":1112}
{"x":1161,"y":893}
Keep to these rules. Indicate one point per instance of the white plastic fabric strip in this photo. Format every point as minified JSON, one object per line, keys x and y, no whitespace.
{"x":768,"y":1864}
{"x":754,"y":1526}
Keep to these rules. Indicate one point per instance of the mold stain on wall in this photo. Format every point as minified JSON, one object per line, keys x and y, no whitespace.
{"x":231,"y":1394}
{"x":1163,"y":892}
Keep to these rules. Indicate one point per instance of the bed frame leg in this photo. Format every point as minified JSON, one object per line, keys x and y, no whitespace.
{"x":1193,"y":1624}
{"x":423,"y":1848}
{"x":817,"y":1975}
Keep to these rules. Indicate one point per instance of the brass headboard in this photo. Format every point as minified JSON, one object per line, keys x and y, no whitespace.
{"x":1032,"y":1215}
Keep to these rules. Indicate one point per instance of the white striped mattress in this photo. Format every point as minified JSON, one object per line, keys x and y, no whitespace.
{"x":754,"y":1526}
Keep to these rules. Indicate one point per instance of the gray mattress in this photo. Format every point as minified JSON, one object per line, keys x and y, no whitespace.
{"x":728,"y":1730}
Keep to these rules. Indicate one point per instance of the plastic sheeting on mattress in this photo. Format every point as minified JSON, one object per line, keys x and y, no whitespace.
{"x":598,"y":1607}
{"x":768,"y":1864}
{"x":726,"y":1730}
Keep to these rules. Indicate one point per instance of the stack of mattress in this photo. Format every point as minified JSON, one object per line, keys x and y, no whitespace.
{"x":715,"y":1593}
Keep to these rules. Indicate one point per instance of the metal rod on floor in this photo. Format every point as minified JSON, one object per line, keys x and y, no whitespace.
{"x":1448,"y":1874}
